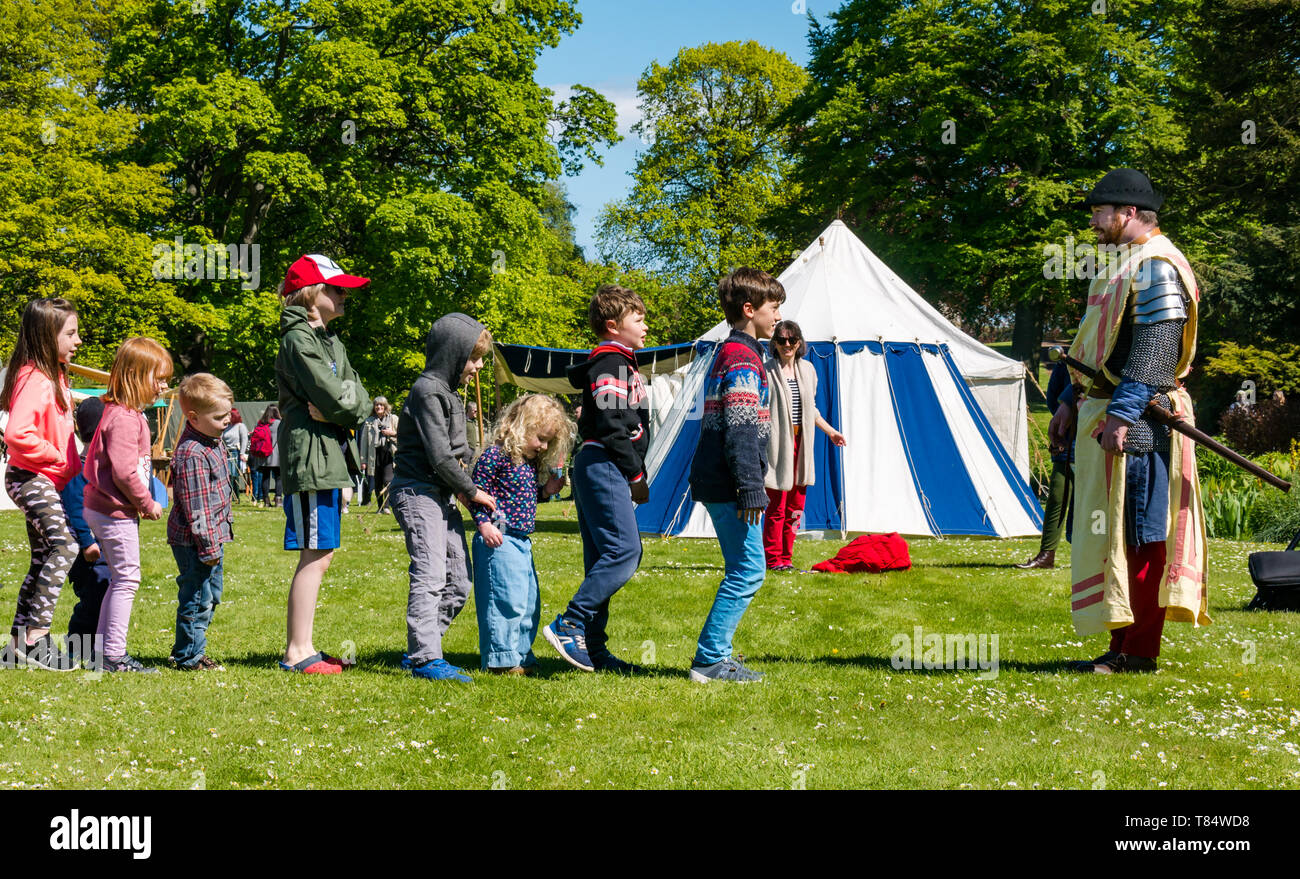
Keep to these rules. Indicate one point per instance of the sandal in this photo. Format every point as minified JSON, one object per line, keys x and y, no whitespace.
{"x":316,"y":664}
{"x":334,"y":660}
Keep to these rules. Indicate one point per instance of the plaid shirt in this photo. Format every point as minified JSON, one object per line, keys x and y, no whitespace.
{"x":200,"y":515}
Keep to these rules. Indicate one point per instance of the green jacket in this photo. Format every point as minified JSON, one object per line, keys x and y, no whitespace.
{"x":313,"y":367}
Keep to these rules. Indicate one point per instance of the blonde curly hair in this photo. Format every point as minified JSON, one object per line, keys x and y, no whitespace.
{"x":542,"y":414}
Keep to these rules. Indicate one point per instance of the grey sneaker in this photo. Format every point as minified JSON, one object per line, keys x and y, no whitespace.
{"x":728,"y":669}
{"x":126,"y":662}
{"x":45,"y":654}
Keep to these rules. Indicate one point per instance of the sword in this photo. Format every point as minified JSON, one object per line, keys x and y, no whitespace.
{"x":1158,"y":413}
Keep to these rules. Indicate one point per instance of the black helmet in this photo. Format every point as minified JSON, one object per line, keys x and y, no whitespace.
{"x":1125,"y":186}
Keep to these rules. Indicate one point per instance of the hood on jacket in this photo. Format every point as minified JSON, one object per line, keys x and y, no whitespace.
{"x":295,"y":317}
{"x":448,"y":346}
{"x":577,"y":374}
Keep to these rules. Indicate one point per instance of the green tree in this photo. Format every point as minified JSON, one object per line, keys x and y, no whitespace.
{"x":714,"y":168}
{"x":960,"y":136}
{"x":73,"y":210}
{"x":406,"y":139}
{"x":1239,"y":178}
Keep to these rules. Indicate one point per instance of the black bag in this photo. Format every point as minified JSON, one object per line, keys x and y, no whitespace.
{"x":1277,"y":579}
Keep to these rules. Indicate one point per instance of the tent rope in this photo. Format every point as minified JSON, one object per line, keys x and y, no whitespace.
{"x":1044,"y":441}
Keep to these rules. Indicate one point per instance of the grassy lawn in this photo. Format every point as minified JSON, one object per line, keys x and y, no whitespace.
{"x":833,"y":712}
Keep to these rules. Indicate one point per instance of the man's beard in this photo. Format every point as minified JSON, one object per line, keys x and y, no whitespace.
{"x":1110,"y":234}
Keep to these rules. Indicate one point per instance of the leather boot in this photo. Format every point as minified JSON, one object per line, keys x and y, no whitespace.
{"x":1042,"y":560}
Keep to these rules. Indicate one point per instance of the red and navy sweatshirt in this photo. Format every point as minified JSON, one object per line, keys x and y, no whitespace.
{"x":615,"y":407}
{"x":731,"y":457}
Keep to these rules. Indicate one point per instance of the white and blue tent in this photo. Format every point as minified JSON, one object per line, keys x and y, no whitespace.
{"x":936,"y":421}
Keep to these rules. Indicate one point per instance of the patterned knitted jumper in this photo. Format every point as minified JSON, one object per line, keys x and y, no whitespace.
{"x":731,"y":458}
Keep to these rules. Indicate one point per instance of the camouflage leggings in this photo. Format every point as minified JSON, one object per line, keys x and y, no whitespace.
{"x":54,"y":547}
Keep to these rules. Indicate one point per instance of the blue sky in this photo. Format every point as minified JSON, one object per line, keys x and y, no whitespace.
{"x":617,"y":41}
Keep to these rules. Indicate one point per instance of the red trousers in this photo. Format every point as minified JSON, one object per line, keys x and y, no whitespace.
{"x":784,"y":511}
{"x":1142,"y":636}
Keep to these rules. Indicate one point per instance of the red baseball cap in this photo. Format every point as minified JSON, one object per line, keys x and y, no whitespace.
{"x":316,"y":269}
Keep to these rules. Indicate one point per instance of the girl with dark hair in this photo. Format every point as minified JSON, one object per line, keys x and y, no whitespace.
{"x":791,"y":468}
{"x":42,"y":460}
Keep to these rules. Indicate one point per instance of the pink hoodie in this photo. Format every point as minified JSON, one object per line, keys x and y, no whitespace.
{"x":39,"y":436}
{"x":119,"y":465}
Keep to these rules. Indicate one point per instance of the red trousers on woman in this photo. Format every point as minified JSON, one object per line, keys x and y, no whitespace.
{"x":784,"y":512}
{"x":1142,"y":636}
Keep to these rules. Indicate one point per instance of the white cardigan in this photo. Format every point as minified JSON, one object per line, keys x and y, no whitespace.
{"x":783,"y":471}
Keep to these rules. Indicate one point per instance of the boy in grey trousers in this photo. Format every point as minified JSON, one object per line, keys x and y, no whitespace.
{"x":430,"y":472}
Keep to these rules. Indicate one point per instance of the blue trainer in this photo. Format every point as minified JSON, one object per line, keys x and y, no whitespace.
{"x":570,"y":640}
{"x":440,"y":670}
{"x":406,"y":660}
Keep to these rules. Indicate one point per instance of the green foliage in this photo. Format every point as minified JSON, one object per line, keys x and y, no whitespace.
{"x":961,"y":135}
{"x":1239,"y":506}
{"x":74,"y":212}
{"x":1273,"y":366}
{"x":408,"y":140}
{"x":715,"y":167}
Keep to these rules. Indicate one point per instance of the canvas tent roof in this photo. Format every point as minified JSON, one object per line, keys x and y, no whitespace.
{"x":936,"y":421}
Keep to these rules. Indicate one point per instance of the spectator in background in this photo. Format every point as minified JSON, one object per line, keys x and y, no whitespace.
{"x":261,"y":444}
{"x":235,"y":439}
{"x":271,"y":469}
{"x":471,"y":431}
{"x":1057,"y":511}
{"x":377,"y":440}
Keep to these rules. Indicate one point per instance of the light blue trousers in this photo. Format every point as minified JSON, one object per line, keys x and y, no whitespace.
{"x":507,"y":600}
{"x":742,"y":555}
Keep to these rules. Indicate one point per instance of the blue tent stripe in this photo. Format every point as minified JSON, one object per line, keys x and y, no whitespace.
{"x":1009,"y":470}
{"x":938,"y":470}
{"x":823,"y":503}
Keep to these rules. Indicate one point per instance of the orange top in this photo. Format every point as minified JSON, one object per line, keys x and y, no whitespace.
{"x":40,"y":437}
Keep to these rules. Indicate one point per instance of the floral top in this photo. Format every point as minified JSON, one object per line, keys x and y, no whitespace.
{"x":513,"y":485}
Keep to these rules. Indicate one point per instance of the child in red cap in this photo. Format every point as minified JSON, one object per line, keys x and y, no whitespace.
{"x":322,"y":402}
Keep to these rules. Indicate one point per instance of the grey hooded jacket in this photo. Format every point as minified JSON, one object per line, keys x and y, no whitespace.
{"x":432,"y":450}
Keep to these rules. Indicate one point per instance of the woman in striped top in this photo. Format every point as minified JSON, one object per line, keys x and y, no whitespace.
{"x":791,"y":468}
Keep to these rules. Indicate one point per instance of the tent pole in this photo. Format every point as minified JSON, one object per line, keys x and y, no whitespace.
{"x":478,"y":396}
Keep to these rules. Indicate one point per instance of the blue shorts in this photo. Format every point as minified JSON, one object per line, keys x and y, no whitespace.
{"x":313,"y":520}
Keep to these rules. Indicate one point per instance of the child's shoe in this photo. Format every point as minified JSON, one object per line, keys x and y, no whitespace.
{"x":570,"y":640}
{"x":45,"y":654}
{"x":440,"y":670}
{"x":603,"y":660}
{"x":126,"y":662}
{"x":728,"y":669}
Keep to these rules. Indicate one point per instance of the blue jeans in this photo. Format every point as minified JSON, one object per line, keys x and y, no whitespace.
{"x":507,"y":601}
{"x":742,"y":555}
{"x":258,"y":494}
{"x":611,"y":540}
{"x":197,"y":597}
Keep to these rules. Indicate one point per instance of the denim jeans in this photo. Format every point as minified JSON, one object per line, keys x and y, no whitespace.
{"x":197,"y":596}
{"x":507,"y":601}
{"x":611,"y":540}
{"x":742,"y":555}
{"x":258,"y":494}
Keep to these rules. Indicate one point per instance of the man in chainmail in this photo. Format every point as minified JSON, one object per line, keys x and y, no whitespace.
{"x":1139,"y":554}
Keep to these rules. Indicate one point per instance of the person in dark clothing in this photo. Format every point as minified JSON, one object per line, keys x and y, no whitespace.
{"x":431,"y":470}
{"x":89,"y":574}
{"x":609,"y":477}
{"x":1057,"y":511}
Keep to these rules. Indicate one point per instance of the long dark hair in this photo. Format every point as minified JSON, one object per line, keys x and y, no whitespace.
{"x":271,"y":413}
{"x":792,"y":328}
{"x":38,"y":344}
